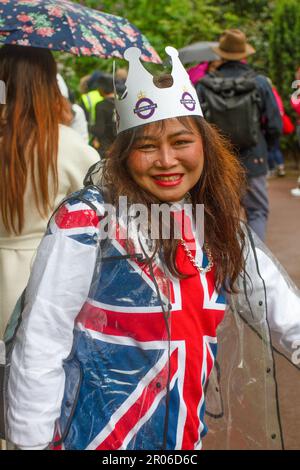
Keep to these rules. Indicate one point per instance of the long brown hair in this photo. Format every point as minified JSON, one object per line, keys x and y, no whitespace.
{"x":219,"y":188}
{"x":28,"y":131}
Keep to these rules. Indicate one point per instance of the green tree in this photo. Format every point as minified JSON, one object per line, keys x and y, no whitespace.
{"x":284,"y":49}
{"x":181,"y":22}
{"x":176,"y":22}
{"x":284,"y":53}
{"x":254,"y":17}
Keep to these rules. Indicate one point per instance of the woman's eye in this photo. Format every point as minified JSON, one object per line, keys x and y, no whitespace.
{"x":183,"y":142}
{"x":146,"y":147}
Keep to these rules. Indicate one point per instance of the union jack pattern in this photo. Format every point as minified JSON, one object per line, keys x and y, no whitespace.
{"x":123,"y":356}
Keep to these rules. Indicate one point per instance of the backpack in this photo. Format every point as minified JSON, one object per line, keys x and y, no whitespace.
{"x":233,"y":105}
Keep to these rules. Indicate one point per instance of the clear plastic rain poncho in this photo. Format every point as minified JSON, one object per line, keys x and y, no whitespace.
{"x":111,"y":354}
{"x":245,"y":396}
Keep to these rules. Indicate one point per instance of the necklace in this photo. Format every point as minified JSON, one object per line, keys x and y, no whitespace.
{"x":194,"y":262}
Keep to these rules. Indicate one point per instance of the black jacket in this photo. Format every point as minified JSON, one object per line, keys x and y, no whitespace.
{"x":105,"y":126}
{"x":255,"y":158}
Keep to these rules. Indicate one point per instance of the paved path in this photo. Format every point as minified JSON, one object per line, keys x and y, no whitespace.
{"x":283,"y":238}
{"x":283,"y":235}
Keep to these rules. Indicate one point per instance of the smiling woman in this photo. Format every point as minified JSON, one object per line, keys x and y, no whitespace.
{"x":119,"y":336}
{"x":164,"y":161}
{"x":167,"y":164}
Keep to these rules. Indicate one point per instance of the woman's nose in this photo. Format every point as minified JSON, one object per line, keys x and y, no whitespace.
{"x":166,"y":157}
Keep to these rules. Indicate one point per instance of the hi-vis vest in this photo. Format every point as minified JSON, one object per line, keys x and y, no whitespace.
{"x":90,"y":100}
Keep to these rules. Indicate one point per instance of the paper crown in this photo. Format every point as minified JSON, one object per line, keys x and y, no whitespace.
{"x":144,"y":102}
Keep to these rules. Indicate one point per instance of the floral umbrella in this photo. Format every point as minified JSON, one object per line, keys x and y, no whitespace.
{"x":62,"y":25}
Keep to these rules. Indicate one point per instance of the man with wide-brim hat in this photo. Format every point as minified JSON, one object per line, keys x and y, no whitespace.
{"x":233,"y":45}
{"x":234,"y":49}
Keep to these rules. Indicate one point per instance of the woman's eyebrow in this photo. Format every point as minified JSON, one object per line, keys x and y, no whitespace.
{"x":155,"y":138}
{"x":146,"y":137}
{"x":183,"y":132}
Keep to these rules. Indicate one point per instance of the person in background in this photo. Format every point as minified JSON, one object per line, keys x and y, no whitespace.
{"x":295,"y":103}
{"x":77,"y":120}
{"x":104,"y":129}
{"x":120,"y":79}
{"x":198,"y":71}
{"x":83,"y":84}
{"x":90,"y":96}
{"x":42,"y":161}
{"x":275,"y":156}
{"x":234,"y":49}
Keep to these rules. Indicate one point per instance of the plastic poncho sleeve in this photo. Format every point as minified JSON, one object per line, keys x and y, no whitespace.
{"x":283,"y":306}
{"x":282,"y":299}
{"x":58,"y":287}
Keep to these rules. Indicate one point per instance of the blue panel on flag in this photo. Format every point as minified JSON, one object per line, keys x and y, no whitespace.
{"x":112,"y":373}
{"x":132,"y":289}
{"x":214,"y":348}
{"x":221,"y":297}
{"x":152,"y":437}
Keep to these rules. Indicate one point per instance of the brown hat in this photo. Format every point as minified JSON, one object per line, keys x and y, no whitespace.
{"x":233,"y":45}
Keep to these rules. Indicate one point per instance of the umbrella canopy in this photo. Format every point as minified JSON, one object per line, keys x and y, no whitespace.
{"x":198,"y":52}
{"x":62,"y":25}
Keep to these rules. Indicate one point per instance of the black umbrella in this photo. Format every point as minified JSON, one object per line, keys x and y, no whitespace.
{"x":198,"y":52}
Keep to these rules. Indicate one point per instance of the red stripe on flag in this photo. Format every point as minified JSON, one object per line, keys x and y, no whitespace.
{"x":139,"y":326}
{"x":139,"y":409}
{"x":82,"y":218}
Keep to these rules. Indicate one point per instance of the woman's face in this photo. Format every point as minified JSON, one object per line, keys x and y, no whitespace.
{"x":167,"y":163}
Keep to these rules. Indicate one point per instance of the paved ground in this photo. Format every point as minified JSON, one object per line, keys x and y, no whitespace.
{"x":283,"y":236}
{"x":283,"y":239}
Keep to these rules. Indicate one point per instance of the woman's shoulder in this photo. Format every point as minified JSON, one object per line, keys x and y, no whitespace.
{"x":73,"y":153}
{"x":66,"y":132}
{"x":78,"y":215}
{"x":91,"y":196}
{"x":70,"y":140}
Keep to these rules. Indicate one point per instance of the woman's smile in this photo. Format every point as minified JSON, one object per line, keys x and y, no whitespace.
{"x":168,"y":180}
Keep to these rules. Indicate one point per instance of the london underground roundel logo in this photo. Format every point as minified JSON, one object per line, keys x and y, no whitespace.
{"x":188,"y":101}
{"x":145,"y":108}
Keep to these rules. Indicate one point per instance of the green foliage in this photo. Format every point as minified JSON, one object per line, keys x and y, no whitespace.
{"x":176,"y":22}
{"x":284,"y":52}
{"x":285,"y":45}
{"x":272,"y":27}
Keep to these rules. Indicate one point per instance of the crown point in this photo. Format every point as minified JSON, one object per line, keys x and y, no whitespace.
{"x":171,"y":51}
{"x":132,"y":53}
{"x":144,"y":102}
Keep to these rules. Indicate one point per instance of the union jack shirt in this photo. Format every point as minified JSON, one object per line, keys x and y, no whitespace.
{"x":143,"y":343}
{"x":110,"y":346}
